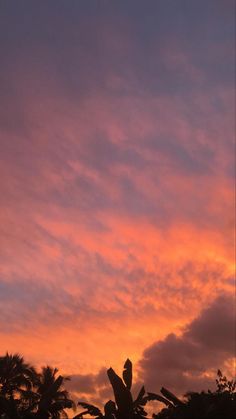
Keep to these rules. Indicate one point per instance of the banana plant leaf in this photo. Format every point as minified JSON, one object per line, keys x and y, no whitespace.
{"x":122,"y":394}
{"x":127,"y":374}
{"x":170,"y":396}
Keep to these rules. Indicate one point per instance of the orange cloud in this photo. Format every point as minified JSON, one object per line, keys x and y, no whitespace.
{"x":117,"y":202}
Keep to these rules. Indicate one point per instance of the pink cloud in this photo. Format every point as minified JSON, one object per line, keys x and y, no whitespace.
{"x":116,"y":193}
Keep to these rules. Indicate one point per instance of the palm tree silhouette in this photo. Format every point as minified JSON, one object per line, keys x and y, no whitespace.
{"x":52,"y":398}
{"x":17,"y":379}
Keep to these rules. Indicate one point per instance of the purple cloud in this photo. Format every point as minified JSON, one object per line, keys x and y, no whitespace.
{"x":183,"y":362}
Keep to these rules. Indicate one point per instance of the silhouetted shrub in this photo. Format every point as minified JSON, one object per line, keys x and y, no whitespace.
{"x":220,"y":404}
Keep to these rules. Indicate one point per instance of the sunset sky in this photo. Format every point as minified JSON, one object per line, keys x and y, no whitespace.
{"x":117,"y":188}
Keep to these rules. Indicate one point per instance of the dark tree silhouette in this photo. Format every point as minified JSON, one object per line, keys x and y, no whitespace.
{"x":26,"y":394}
{"x":52,"y":398}
{"x":220,"y":404}
{"x":17,"y":380}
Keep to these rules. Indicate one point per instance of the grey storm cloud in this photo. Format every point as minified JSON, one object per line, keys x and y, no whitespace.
{"x":180,"y":362}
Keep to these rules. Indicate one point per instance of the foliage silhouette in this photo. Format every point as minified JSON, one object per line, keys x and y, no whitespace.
{"x":52,"y":400}
{"x":27,"y":394}
{"x":17,"y":380}
{"x":24,"y":393}
{"x":220,"y":404}
{"x":124,"y":407}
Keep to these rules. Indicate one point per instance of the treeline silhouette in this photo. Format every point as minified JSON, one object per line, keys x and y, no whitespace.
{"x":27,"y":394}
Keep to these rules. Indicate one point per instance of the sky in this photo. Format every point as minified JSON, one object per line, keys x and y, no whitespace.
{"x":117,"y":189}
